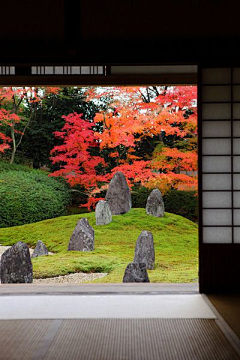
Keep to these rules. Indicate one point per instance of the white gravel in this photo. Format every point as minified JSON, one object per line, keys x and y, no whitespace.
{"x":4,"y":248}
{"x":75,"y":278}
{"x":71,"y":278}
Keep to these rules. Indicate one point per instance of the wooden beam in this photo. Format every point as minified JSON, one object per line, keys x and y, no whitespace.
{"x":98,"y":80}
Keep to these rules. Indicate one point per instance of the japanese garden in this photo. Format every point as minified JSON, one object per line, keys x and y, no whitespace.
{"x":91,"y":177}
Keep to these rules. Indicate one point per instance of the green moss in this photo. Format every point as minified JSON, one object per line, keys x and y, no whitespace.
{"x":175,"y":239}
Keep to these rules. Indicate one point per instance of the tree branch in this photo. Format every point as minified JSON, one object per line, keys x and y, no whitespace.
{"x":24,"y":130}
{"x":143,"y":96}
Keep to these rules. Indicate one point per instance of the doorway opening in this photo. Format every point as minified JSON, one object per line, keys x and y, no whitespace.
{"x":85,"y":135}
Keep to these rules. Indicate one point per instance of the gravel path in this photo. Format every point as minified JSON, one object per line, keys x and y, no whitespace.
{"x":4,"y":248}
{"x":70,"y":279}
{"x":65,"y":279}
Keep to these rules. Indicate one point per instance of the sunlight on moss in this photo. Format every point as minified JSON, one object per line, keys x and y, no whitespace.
{"x":175,"y":239}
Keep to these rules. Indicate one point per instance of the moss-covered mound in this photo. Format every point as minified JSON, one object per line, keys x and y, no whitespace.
{"x":175,"y":239}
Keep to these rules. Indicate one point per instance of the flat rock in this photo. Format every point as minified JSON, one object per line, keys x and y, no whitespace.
{"x":118,"y":195}
{"x":155,"y":204}
{"x":16,"y":265}
{"x":136,"y":272}
{"x":144,"y":250}
{"x":40,"y":249}
{"x":103,"y":213}
{"x":82,"y":238}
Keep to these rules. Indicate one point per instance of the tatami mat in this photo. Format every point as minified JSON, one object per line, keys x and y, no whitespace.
{"x":114,"y":339}
{"x":20,"y":339}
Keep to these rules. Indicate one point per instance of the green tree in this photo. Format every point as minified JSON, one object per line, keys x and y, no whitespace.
{"x":39,"y":138}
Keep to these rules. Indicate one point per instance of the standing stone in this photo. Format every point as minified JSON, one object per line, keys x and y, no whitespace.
{"x":118,"y":195}
{"x":155,"y":204}
{"x":103,"y":213}
{"x":144,"y":250}
{"x":40,"y":249}
{"x":16,"y":265}
{"x":136,"y":272}
{"x":82,"y":238}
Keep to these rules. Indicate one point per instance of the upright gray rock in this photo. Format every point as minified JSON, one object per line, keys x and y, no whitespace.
{"x":16,"y":265}
{"x":40,"y":249}
{"x":135,"y":272}
{"x":144,"y":250}
{"x":103,"y":213}
{"x":155,"y":204}
{"x":118,"y":195}
{"x":82,"y":238}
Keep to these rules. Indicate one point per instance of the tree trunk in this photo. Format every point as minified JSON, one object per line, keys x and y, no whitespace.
{"x":14,"y":145}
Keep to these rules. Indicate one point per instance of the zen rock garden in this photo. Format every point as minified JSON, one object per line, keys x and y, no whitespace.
{"x":16,"y":265}
{"x":117,"y":202}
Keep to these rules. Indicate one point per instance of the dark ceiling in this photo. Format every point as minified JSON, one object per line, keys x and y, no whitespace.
{"x":120,"y":32}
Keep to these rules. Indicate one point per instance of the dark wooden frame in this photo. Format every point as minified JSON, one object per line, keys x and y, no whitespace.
{"x":91,"y":80}
{"x":219,"y":264}
{"x":215,"y":273}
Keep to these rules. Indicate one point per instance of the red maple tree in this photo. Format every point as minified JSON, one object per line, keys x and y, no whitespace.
{"x":90,"y":157}
{"x":12,"y":101}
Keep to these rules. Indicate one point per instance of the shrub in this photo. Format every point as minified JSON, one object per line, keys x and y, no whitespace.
{"x":74,"y":209}
{"x":78,"y":195}
{"x":139,"y":196}
{"x":6,"y":166}
{"x":184,"y":203}
{"x":28,"y":196}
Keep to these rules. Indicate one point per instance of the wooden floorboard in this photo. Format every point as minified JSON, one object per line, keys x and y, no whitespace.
{"x":229,"y":308}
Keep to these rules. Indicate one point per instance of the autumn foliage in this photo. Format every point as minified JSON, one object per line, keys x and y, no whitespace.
{"x":13,"y":101}
{"x":150,"y":134}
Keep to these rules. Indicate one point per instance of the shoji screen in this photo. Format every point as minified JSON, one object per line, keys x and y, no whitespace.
{"x":220,"y":155}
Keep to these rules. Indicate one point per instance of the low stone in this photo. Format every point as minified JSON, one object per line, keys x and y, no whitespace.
{"x":16,"y":265}
{"x":103,"y":213}
{"x":118,"y":195}
{"x":136,"y":272}
{"x":155,"y":204}
{"x":144,"y":250}
{"x":82,"y":238}
{"x":40,"y":249}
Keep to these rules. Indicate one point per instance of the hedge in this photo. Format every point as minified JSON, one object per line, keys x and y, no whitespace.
{"x":28,"y":196}
{"x":139,"y":196}
{"x":184,"y":203}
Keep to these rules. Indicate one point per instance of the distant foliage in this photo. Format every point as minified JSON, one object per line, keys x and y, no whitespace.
{"x":184,"y":203}
{"x":139,"y":196}
{"x":148,"y":133}
{"x":30,"y":196}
